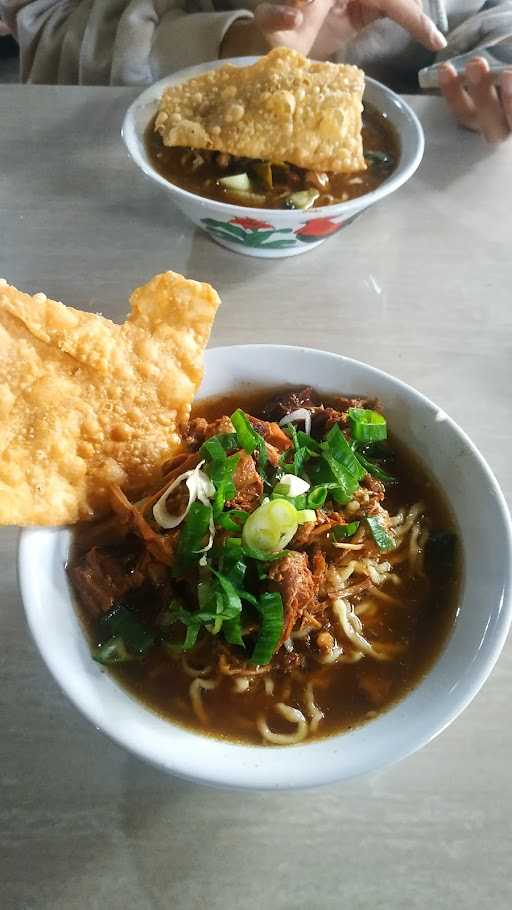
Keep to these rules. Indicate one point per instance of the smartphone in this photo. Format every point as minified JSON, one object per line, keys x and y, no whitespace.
{"x":499,"y":58}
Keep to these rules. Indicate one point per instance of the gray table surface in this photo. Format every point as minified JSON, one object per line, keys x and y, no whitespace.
{"x":421,"y":287}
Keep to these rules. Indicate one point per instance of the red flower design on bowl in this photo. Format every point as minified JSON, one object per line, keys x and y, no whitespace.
{"x":251,"y":224}
{"x":317,"y":229}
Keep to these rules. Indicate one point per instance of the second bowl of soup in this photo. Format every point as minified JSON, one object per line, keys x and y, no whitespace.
{"x":267,"y":218}
{"x":304,"y":600}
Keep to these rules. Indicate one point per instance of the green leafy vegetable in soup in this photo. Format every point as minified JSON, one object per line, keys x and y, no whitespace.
{"x":284,"y":582}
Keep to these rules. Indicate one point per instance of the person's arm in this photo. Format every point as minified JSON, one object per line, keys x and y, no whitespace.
{"x":321,"y":28}
{"x":473,"y":97}
{"x":491,"y":25}
{"x":116,"y":42}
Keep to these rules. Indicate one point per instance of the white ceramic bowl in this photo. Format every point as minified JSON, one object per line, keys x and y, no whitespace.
{"x":273,"y":233}
{"x":480,"y":629}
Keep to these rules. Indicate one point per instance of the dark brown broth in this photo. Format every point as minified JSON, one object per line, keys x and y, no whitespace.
{"x":378,"y":136}
{"x":348,"y":694}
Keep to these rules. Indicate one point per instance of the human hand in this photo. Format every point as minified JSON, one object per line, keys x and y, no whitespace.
{"x":285,"y":23}
{"x":323,"y":26}
{"x":476,"y":102}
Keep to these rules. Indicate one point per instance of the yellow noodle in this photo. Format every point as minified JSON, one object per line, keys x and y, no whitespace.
{"x":381,"y":595}
{"x":193,"y":671}
{"x":412,"y":515}
{"x":412,"y":550}
{"x":351,"y":657}
{"x":366,"y":608}
{"x":269,"y":685}
{"x":313,"y":711}
{"x":303,"y":633}
{"x":331,"y":656}
{"x":353,"y":628}
{"x":348,"y":546}
{"x":241,"y":684}
{"x":195,"y":690}
{"x":393,"y":578}
{"x":293,"y":716}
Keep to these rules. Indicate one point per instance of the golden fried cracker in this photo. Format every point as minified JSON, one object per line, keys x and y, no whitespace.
{"x":85,"y":403}
{"x":282,"y":108}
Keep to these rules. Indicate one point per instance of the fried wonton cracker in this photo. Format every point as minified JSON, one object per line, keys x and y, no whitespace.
{"x":282,"y":108}
{"x":85,"y":403}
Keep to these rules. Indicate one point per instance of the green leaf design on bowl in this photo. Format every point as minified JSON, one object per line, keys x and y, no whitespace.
{"x":249,"y":236}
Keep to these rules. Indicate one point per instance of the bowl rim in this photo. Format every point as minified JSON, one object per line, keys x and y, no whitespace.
{"x":407,"y":165}
{"x":460,"y":697}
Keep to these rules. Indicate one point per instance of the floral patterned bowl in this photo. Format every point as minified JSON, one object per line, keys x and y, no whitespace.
{"x":272,"y":233}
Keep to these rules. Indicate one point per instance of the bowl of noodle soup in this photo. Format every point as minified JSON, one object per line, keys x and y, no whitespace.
{"x":476,"y":620}
{"x":257,"y":228}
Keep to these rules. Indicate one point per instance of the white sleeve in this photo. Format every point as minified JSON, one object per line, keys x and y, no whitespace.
{"x":493,"y":24}
{"x":113,"y":42}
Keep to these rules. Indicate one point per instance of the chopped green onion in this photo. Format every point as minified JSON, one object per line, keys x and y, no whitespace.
{"x":299,"y":457}
{"x":213,"y":450}
{"x":342,"y":531}
{"x":298,"y":501}
{"x":346,"y":483}
{"x":232,"y":551}
{"x":205,"y":596}
{"x":304,"y":199}
{"x":367,"y":426}
{"x":216,"y":447}
{"x":261,"y":556}
{"x":239,"y":182}
{"x":221,"y":475}
{"x":123,"y":623}
{"x":233,"y":520}
{"x":339,"y":447}
{"x":291,"y":485}
{"x":234,"y":568}
{"x":220,"y":606}
{"x":292,"y":432}
{"x":261,"y":571}
{"x":329,"y":473}
{"x":193,"y":532}
{"x":232,"y":603}
{"x":232,"y":631}
{"x":249,"y":439}
{"x":300,"y":453}
{"x":320,"y":474}
{"x":192,"y":623}
{"x":316,"y":497}
{"x":219,"y":618}
{"x":378,"y":158}
{"x":307,"y":442}
{"x":191,"y":636}
{"x":375,"y":470}
{"x":112,"y":651}
{"x":271,"y":526}
{"x":306,"y":515}
{"x":271,"y":608}
{"x":381,"y":537}
{"x":263,"y":171}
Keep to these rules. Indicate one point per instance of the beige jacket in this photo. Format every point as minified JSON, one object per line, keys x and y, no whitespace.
{"x":134,"y":42}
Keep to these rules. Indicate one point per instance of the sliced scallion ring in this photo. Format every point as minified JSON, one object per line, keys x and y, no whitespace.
{"x":366,"y":425}
{"x":271,"y":526}
{"x":306,"y":515}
